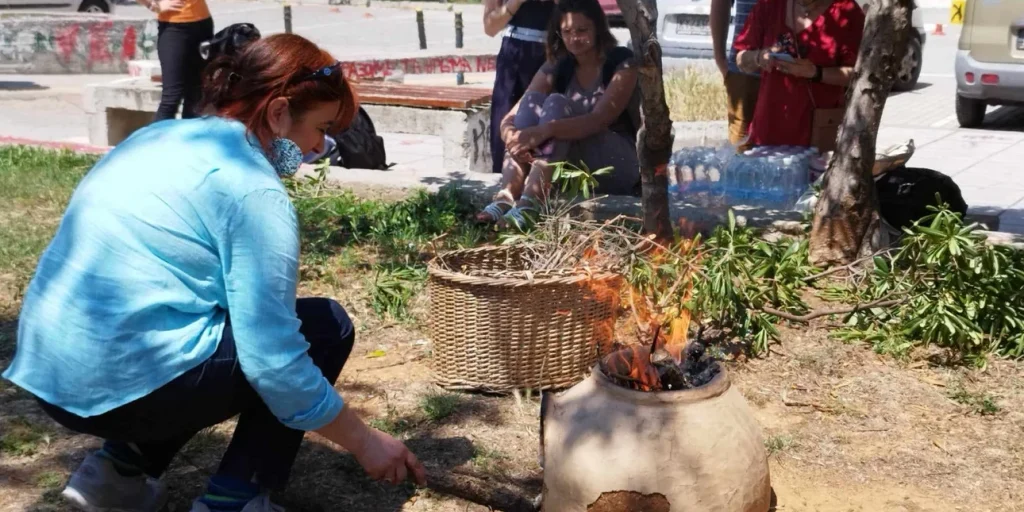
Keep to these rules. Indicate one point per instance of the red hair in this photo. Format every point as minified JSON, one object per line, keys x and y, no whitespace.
{"x":242,"y":86}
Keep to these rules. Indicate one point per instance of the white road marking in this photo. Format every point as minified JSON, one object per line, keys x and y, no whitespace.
{"x":944,"y":121}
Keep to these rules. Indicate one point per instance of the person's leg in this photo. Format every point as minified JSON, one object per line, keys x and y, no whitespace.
{"x":538,"y":181}
{"x":171,"y":47}
{"x":741,"y":90}
{"x":503,"y":96}
{"x":193,"y":84}
{"x":513,"y":170}
{"x":610,"y":149}
{"x":262,"y":449}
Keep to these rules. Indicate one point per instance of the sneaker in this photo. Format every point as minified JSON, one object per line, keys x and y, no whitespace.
{"x":97,"y":487}
{"x":260,"y":503}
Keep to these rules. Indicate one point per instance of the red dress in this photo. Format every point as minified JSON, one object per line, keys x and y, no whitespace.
{"x":784,"y":109}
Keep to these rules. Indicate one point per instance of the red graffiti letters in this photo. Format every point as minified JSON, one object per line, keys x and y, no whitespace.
{"x":128,"y":43}
{"x":419,"y":66}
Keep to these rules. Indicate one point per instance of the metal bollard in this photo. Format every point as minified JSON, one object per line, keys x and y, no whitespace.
{"x":422,"y":29}
{"x":287,"y":19}
{"x":458,"y":29}
{"x":460,"y":78}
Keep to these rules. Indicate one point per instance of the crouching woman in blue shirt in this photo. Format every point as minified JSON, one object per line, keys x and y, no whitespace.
{"x":166,"y":303}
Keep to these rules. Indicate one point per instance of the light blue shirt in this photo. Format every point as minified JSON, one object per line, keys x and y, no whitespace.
{"x":179,"y":224}
{"x":739,"y":20}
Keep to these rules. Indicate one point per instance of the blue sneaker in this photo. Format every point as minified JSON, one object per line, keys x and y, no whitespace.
{"x":260,"y":503}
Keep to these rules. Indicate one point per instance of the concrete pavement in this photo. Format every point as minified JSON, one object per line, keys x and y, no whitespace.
{"x":983,"y":162}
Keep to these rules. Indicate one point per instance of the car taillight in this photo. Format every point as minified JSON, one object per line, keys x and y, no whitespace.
{"x":969,"y":77}
{"x":989,"y":79}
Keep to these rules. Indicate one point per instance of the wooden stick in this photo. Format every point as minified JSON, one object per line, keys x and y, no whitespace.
{"x":484,"y":491}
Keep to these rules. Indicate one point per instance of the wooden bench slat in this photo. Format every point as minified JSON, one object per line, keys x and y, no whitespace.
{"x":421,"y":95}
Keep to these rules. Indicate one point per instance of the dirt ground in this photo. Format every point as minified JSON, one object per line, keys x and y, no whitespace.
{"x":846,"y":429}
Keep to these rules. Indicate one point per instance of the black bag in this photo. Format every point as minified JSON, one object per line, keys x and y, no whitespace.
{"x":228,"y":41}
{"x":905,"y":193}
{"x":359,"y":146}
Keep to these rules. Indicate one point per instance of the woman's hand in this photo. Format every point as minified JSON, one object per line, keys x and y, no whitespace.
{"x":169,"y":5}
{"x":386,"y":459}
{"x":802,"y":68}
{"x":530,"y":138}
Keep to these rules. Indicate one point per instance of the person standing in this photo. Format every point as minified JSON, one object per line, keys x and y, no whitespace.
{"x":523,"y":25}
{"x":182,"y":26}
{"x":741,"y":87}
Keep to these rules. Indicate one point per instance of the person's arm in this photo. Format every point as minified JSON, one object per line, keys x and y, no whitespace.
{"x":720,"y":10}
{"x":750,"y":54}
{"x":543,"y":82}
{"x":849,"y":40}
{"x":804,"y":68}
{"x":260,"y":257}
{"x":159,"y":6}
{"x":498,"y":14}
{"x":611,"y":105}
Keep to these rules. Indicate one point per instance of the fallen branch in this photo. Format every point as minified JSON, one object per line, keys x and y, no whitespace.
{"x":883,"y":303}
{"x":491,"y":493}
{"x":849,"y":266}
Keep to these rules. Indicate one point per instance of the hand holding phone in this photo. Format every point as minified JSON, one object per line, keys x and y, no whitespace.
{"x":784,"y":57}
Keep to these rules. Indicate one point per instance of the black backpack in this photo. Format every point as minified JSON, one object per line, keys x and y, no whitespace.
{"x":228,"y":41}
{"x":565,"y":69}
{"x":905,"y":193}
{"x":359,"y":146}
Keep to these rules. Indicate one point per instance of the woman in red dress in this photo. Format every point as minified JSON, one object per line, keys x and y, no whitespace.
{"x":823,"y":38}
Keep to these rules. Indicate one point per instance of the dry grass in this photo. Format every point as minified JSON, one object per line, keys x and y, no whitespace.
{"x":695,"y":93}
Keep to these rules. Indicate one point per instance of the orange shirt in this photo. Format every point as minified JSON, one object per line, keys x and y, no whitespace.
{"x":194,"y":10}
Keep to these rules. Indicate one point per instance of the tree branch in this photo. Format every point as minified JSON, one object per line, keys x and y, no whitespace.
{"x":882,"y":303}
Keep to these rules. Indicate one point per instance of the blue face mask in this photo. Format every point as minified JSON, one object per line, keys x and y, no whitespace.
{"x":285,"y":156}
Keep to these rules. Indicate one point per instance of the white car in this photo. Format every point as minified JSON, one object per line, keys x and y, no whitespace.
{"x":89,"y":6}
{"x":684,"y":32}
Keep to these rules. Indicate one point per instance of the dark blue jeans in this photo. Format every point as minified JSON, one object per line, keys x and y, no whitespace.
{"x":262,"y":448}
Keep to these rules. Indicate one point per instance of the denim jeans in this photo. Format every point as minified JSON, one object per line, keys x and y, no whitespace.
{"x":262,"y":448}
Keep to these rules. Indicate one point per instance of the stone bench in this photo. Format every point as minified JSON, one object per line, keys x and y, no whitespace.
{"x":459,"y":115}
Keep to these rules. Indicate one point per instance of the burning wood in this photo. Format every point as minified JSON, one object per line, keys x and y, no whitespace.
{"x":668,"y":367}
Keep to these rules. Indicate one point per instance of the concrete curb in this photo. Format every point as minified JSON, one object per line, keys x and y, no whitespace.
{"x":480,"y":188}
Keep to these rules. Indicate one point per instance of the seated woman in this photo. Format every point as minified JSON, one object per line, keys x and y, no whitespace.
{"x":166,"y":302}
{"x":823,"y":38}
{"x":580,"y":108}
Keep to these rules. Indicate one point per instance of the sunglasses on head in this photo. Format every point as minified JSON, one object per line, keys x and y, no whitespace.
{"x":324,"y":72}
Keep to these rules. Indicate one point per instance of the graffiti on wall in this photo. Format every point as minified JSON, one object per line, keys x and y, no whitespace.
{"x":480,"y":141}
{"x":381,"y":68}
{"x":42,"y":45}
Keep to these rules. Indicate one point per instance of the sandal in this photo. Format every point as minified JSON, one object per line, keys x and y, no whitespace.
{"x":514,"y":216}
{"x":494,"y":211}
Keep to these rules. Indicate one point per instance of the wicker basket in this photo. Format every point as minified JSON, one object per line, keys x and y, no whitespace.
{"x":497,"y":328}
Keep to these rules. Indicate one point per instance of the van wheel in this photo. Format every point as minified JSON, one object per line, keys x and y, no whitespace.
{"x":970,"y":113}
{"x":94,"y":7}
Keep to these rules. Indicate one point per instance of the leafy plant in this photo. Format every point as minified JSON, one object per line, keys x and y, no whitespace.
{"x":22,"y":438}
{"x":979,"y":403}
{"x":439,"y":405}
{"x":573,"y":181}
{"x":954,"y":290}
{"x":393,"y":288}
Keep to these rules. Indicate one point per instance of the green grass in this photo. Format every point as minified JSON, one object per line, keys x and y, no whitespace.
{"x":22,"y":438}
{"x":35,"y":186}
{"x":440,"y":405}
{"x":979,"y":403}
{"x":778,"y":444}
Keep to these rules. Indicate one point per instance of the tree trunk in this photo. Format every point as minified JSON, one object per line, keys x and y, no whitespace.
{"x":654,"y":140}
{"x":846,"y":221}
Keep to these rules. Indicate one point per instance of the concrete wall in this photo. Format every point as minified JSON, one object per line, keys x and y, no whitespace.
{"x":37,"y":43}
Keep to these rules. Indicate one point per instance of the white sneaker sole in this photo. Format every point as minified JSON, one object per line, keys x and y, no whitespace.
{"x":77,"y":500}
